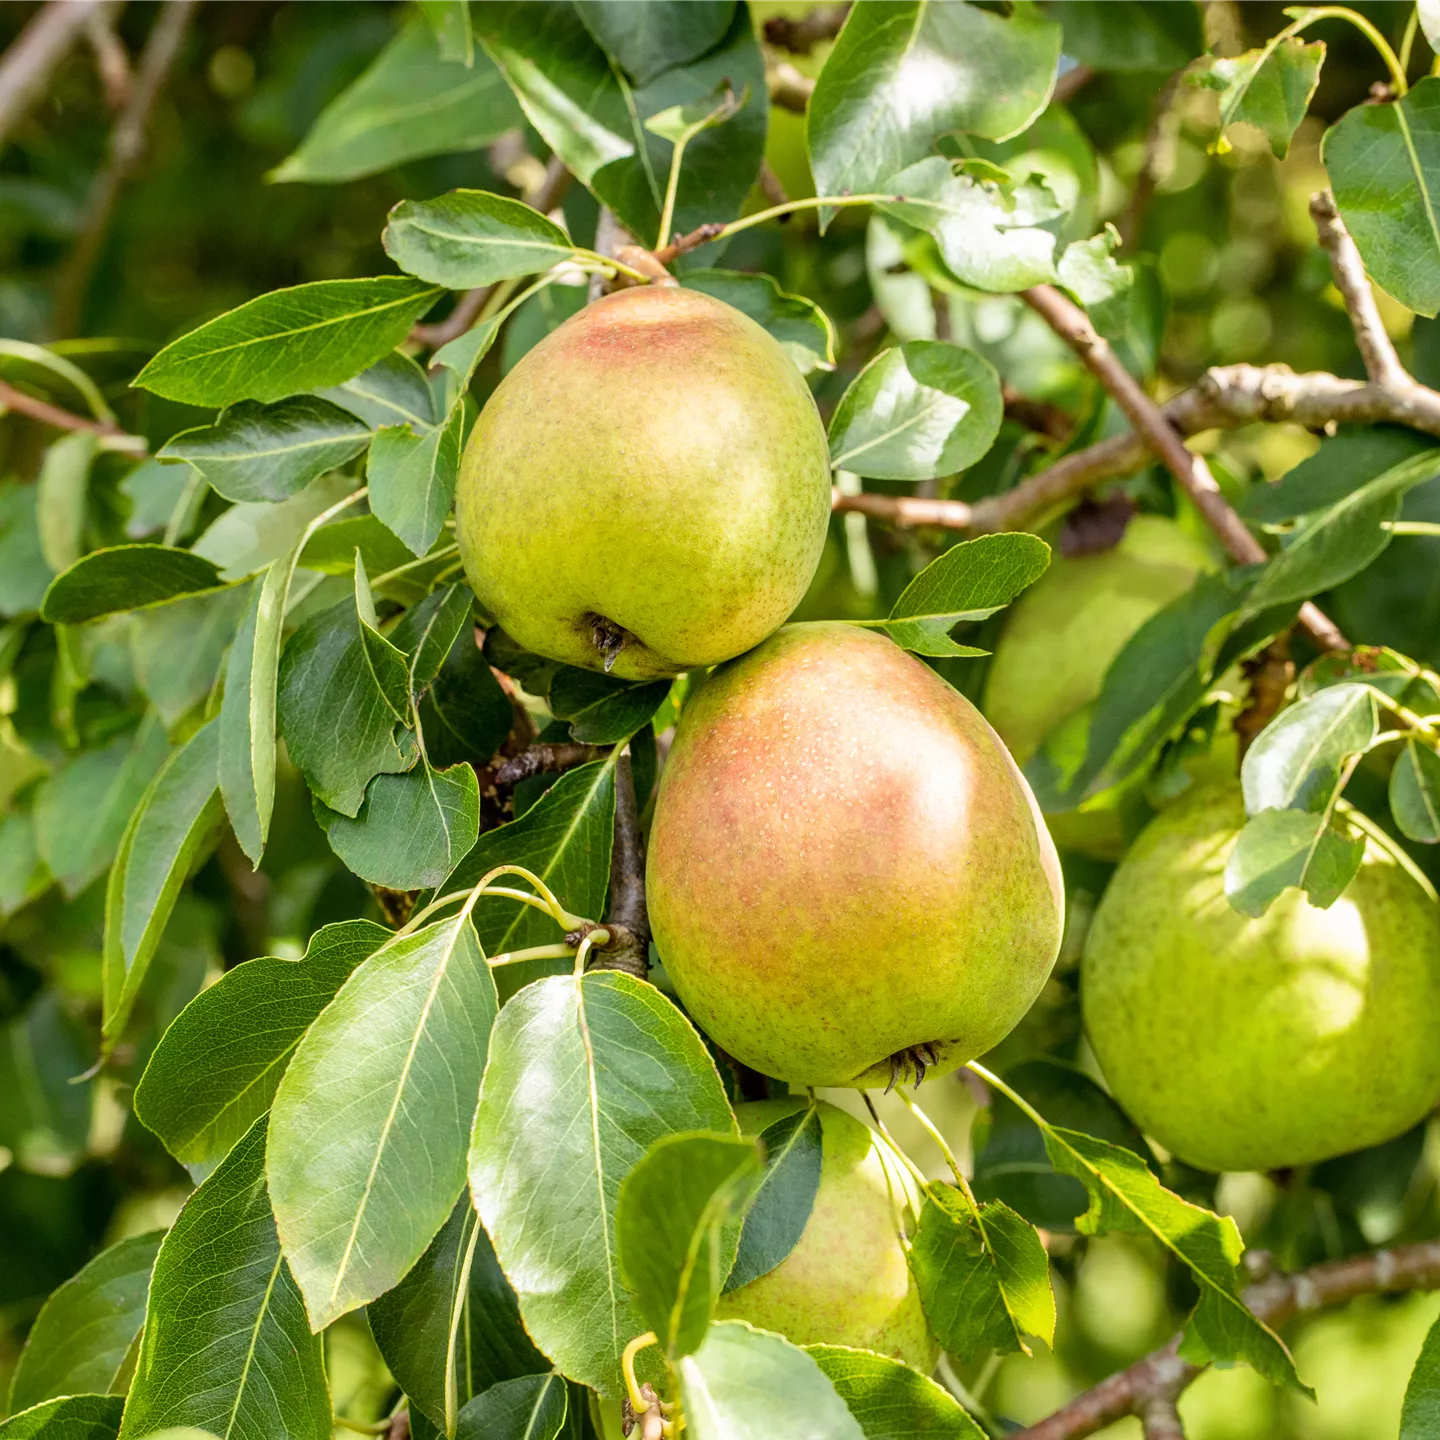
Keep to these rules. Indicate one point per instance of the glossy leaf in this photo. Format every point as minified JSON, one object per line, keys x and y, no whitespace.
{"x":986,"y":1285}
{"x":1281,"y":848}
{"x":1131,"y":35}
{"x":904,"y":71}
{"x":916,"y":412}
{"x":393,"y":391}
{"x":270,"y":452}
{"x":412,"y":478}
{"x":646,"y":38}
{"x":412,"y":830}
{"x":1420,"y":1417}
{"x":226,"y":1346}
{"x":990,"y":232}
{"x":531,"y":1407}
{"x":800,"y":325}
{"x":1415,"y":792}
{"x":411,"y":1323}
{"x":585,"y":1075}
{"x":126,"y":577}
{"x":369,"y":1126}
{"x":465,"y":715}
{"x":745,"y":1384}
{"x":890,"y":1400}
{"x":471,"y":237}
{"x":288,"y":341}
{"x":1296,"y":760}
{"x":172,"y":824}
{"x":216,"y":1068}
{"x":410,"y":103}
{"x":601,"y":709}
{"x":1384,"y":164}
{"x":74,"y":1417}
{"x":428,"y":631}
{"x":81,"y":811}
{"x":389,"y":666}
{"x":786,"y":1195}
{"x":1270,"y":88}
{"x":178,"y":649}
{"x":676,"y":1227}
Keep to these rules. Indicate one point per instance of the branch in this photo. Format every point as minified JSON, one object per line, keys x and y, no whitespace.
{"x":801,"y":36}
{"x":1146,"y":180}
{"x":788,"y":88}
{"x":542,"y":759}
{"x":1274,"y":1300}
{"x":1075,"y":78}
{"x":1037,"y":415}
{"x":111,"y":59}
{"x":127,"y":145}
{"x":1161,"y":1419}
{"x":544,"y":198}
{"x":1073,"y":326}
{"x":628,"y":920}
{"x":21,"y":403}
{"x":26,"y":67}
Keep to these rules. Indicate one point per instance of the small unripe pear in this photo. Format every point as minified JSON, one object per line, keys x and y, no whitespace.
{"x":1254,"y":1044}
{"x":847,"y":1281}
{"x":848,"y":876}
{"x":648,"y":490}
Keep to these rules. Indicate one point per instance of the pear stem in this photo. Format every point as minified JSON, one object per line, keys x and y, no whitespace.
{"x":893,"y":1144}
{"x":943,"y":1146}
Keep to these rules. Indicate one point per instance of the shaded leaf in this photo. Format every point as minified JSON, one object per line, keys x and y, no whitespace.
{"x":585,"y":1075}
{"x":428,"y":631}
{"x":389,"y":666}
{"x":24,"y":574}
{"x":393,"y":391}
{"x":270,"y":452}
{"x":531,"y":1407}
{"x":74,"y":1417}
{"x":1420,"y":1417}
{"x":177,"y":649}
{"x":23,"y":875}
{"x":890,"y":1400}
{"x":82,"y":1337}
{"x":1270,"y":88}
{"x":226,"y":1347}
{"x":1281,"y":848}
{"x":471,"y":237}
{"x":45,"y":1117}
{"x":370,"y":1123}
{"x":786,"y":1195}
{"x":450,"y":22}
{"x":303,"y":338}
{"x":1296,"y":760}
{"x":1343,"y":463}
{"x":601,"y":709}
{"x":61,"y":493}
{"x":1415,"y":792}
{"x":645,"y":38}
{"x":217,"y":1066}
{"x":245,"y":539}
{"x":331,"y":549}
{"x":126,"y":577}
{"x":465,"y":715}
{"x":1131,"y":35}
{"x":799,"y":324}
{"x":412,"y":478}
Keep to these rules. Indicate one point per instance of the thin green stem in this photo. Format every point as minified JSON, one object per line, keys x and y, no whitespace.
{"x":893,"y":1144}
{"x":1307,"y":16}
{"x":943,"y":1146}
{"x":496,"y":298}
{"x":1013,"y":1096}
{"x":1407,"y":41}
{"x":1411,"y":527}
{"x":592,"y":260}
{"x":672,"y":189}
{"x":442,"y":553}
{"x":1397,"y":852}
{"x":559,"y":951}
{"x":544,"y":901}
{"x":1404,"y":714}
{"x":596,"y":937}
{"x":457,"y":1313}
{"x":815,"y":202}
{"x":361,"y":1427}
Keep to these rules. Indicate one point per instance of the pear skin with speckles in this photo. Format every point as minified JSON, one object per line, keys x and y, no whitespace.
{"x":648,"y":490}
{"x":846,"y":865}
{"x":1256,"y":1044}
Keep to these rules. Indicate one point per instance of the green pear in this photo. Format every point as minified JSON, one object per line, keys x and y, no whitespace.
{"x":1245,"y":1044}
{"x":847,"y":1281}
{"x":648,"y":490}
{"x":848,"y":876}
{"x":1060,"y":638}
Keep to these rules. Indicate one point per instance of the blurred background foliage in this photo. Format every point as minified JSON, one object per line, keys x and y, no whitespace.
{"x":1233,"y":274}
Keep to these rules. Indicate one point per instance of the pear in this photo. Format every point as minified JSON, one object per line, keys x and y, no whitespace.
{"x":848,"y":877}
{"x":648,"y":490}
{"x":1059,"y":640}
{"x":847,"y":1281}
{"x":1245,"y":1044}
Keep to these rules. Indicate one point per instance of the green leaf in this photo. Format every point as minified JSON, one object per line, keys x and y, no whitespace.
{"x":24,"y":573}
{"x":46,"y":1117}
{"x":412,"y":830}
{"x":393,"y":391}
{"x":601,"y":709}
{"x":1343,"y":463}
{"x":82,"y":1340}
{"x":450,"y":22}
{"x":389,"y":666}
{"x":1281,"y":848}
{"x":984,"y":1286}
{"x":970,"y":581}
{"x":890,"y":1400}
{"x":246,"y":539}
{"x":73,"y":1417}
{"x":1270,"y":88}
{"x":331,"y":549}
{"x":461,"y":355}
{"x":745,"y":1384}
{"x":593,"y":118}
{"x":370,"y":1123}
{"x":904,"y":71}
{"x":564,"y":839}
{"x":531,"y":1407}
{"x":428,"y":631}
{"x":1131,"y":35}
{"x":1415,"y":792}
{"x":1420,"y":1417}
{"x":990,"y":232}
{"x":1126,"y":1197}
{"x":177,"y":649}
{"x":471,"y":237}
{"x":23,"y":875}
{"x":410,"y":103}
{"x":676,"y":1226}
{"x":339,"y":725}
{"x":916,"y":412}
{"x":799,"y":324}
{"x":226,"y":1346}
{"x":125,"y":577}
{"x":785,"y":1198}
{"x":1296,"y":760}
{"x":270,"y":452}
{"x":1384,"y":164}
{"x":411,"y":1323}
{"x":412,"y":476}
{"x":303,"y":338}
{"x":464,"y":715}
{"x":680,"y":124}
{"x":81,"y":811}
{"x":216,"y":1068}
{"x":174,"y":821}
{"x":61,"y":493}
{"x":647,"y":37}
{"x":585,"y":1074}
